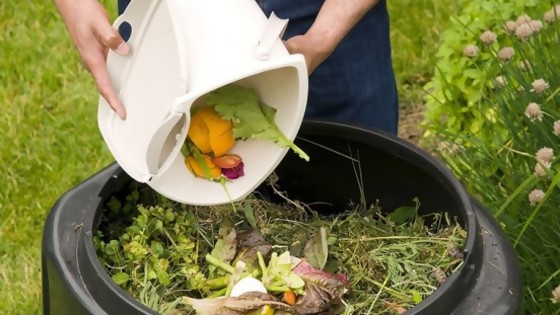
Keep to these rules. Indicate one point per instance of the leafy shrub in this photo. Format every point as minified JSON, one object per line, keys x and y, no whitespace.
{"x":455,"y":100}
{"x":516,"y":174}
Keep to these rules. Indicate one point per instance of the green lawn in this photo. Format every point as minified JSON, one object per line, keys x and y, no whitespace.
{"x":50,"y":141}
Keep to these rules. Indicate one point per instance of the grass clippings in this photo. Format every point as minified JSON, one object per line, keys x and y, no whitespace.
{"x":391,"y":267}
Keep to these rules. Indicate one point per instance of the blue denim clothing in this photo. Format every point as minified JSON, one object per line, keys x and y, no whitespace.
{"x":356,"y":84}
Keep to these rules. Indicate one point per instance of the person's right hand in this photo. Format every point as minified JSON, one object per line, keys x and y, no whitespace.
{"x":93,"y":35}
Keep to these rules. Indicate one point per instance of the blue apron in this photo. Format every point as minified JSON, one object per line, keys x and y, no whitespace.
{"x":356,"y":84}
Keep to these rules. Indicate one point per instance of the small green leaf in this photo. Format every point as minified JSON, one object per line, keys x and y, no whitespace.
{"x":121,"y":278}
{"x":114,"y":204}
{"x":163,"y":264}
{"x":112,"y":248}
{"x":163,"y":278}
{"x":250,"y":215}
{"x":416,"y":297}
{"x":293,"y":281}
{"x":404,"y":214}
{"x":169,"y":216}
{"x":157,"y":248}
{"x":316,"y":250}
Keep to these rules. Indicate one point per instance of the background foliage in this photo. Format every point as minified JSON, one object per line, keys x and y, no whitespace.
{"x":508,"y":160}
{"x":455,"y":99}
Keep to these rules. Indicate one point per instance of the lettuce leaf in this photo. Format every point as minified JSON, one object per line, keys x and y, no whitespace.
{"x":323,"y":290}
{"x":252,"y":119}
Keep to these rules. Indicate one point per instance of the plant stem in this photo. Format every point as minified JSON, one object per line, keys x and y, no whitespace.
{"x":218,"y":263}
{"x":218,"y":283}
{"x":263,"y":266}
{"x":235,"y":277}
{"x":275,"y":288}
{"x":218,"y":293}
{"x":393,"y":292}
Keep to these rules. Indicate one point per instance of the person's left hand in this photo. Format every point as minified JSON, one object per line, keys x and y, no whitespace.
{"x":312,"y":47}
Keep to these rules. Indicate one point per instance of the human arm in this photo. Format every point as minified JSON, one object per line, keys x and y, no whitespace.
{"x":335,"y":19}
{"x":93,"y":35}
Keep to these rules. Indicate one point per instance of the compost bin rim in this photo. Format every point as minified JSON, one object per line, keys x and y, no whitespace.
{"x":354,"y":133}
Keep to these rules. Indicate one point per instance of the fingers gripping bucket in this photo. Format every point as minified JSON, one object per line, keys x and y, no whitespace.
{"x":180,"y":51}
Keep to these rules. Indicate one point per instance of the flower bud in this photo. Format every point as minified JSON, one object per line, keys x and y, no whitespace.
{"x":534,"y":112}
{"x":535,"y":197}
{"x":470,"y":51}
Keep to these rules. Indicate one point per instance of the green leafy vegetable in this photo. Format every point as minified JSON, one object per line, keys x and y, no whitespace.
{"x":278,"y":275}
{"x":252,"y":119}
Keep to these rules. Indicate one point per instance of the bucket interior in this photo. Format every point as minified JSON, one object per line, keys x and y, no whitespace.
{"x":279,"y":88}
{"x":348,"y":167}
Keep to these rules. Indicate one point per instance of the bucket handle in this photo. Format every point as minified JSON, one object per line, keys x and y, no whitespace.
{"x":273,"y":31}
{"x":155,"y":150}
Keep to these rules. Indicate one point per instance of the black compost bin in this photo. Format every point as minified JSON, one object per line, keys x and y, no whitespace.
{"x":394,"y":172}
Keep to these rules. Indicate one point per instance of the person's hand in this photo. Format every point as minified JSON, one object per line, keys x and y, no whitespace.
{"x":93,"y":35}
{"x":335,"y":19}
{"x":312,"y":47}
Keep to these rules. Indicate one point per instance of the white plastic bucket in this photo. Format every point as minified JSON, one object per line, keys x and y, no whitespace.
{"x":181,"y":50}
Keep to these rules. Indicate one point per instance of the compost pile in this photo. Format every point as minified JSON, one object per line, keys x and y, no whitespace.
{"x":262,"y":257}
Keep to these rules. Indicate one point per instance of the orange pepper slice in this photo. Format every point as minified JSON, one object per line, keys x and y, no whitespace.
{"x":193,"y":166}
{"x":198,"y":133}
{"x":210,"y":133}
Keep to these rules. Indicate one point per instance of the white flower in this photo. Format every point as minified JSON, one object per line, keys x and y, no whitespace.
{"x":524,"y":31}
{"x":556,"y":128}
{"x":545,"y":155}
{"x":551,"y":15}
{"x":523,"y":19}
{"x":535,"y":197}
{"x":556,"y":295}
{"x":506,"y":53}
{"x":536,"y":25}
{"x":539,"y":86}
{"x":534,"y":112}
{"x":500,"y":81}
{"x":511,"y":26}
{"x":488,"y":37}
{"x":541,"y":169}
{"x":470,"y":51}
